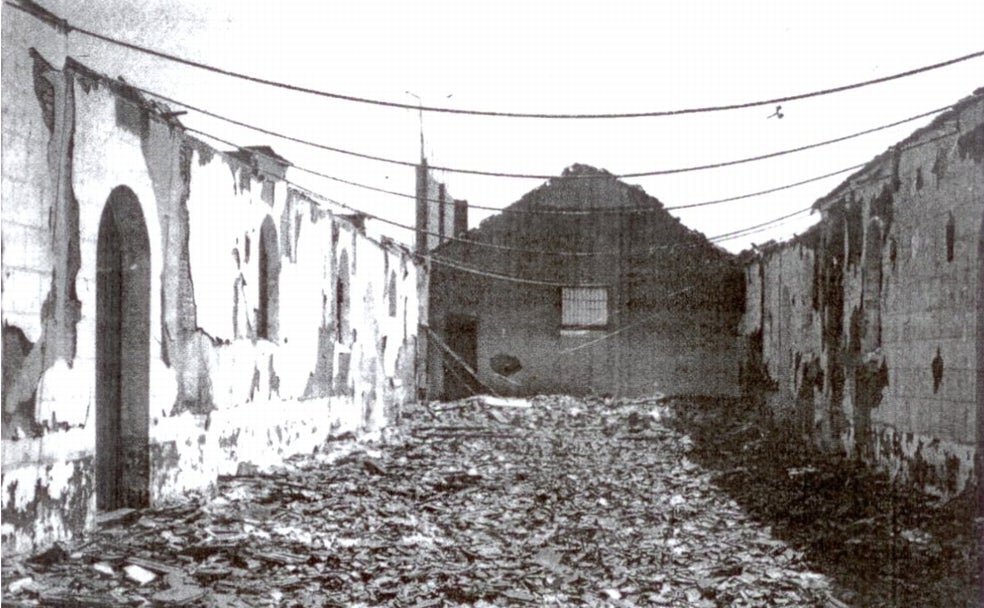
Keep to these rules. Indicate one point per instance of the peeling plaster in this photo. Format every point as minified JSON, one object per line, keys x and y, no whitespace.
{"x":218,"y":396}
{"x":44,"y":502}
{"x":60,"y":311}
{"x":890,"y":302}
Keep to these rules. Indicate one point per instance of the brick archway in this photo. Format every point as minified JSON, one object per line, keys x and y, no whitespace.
{"x":122,"y":354}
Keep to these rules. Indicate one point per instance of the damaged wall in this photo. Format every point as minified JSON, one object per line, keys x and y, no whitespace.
{"x":864,"y":329}
{"x":673,"y":299}
{"x":273,"y":323}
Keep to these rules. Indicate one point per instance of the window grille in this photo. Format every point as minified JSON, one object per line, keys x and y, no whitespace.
{"x":584,"y":307}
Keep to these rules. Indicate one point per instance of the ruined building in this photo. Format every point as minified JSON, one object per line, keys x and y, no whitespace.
{"x":585,"y":286}
{"x":866,"y":330}
{"x":170,"y":311}
{"x":439,"y":216}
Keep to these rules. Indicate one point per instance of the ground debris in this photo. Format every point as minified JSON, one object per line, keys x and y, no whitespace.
{"x":881,"y":542}
{"x":551,"y":501}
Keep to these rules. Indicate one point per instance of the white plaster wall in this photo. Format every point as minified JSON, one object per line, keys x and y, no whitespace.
{"x":261,"y":426}
{"x":220,"y":217}
{"x":27,"y":184}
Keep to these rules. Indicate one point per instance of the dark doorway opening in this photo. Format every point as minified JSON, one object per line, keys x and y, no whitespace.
{"x":342,"y":297}
{"x":122,"y":354}
{"x":461,"y":333}
{"x":267,"y":321}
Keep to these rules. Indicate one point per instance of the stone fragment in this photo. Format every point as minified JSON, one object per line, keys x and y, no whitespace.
{"x":139,"y":575}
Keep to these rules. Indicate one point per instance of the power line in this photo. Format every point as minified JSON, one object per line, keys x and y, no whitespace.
{"x":474,"y":206}
{"x":727,"y":236}
{"x":769,"y":191}
{"x":714,"y":239}
{"x":500,"y":209}
{"x":592,"y":212}
{"x":457,"y":359}
{"x":405,"y":163}
{"x":477,"y":271}
{"x":35,"y":10}
{"x":506,"y":277}
{"x":721,"y":237}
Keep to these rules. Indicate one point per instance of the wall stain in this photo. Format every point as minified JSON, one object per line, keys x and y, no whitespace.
{"x":937,"y":369}
{"x":71,"y":506}
{"x":971,"y":144}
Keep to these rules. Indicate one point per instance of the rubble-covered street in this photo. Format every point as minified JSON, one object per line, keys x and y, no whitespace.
{"x":556,"y":501}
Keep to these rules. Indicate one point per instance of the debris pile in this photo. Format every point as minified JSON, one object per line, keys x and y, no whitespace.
{"x":884,"y":543}
{"x":483,"y":502}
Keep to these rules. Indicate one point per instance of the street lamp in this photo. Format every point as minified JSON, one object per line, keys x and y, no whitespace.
{"x":420,"y":108}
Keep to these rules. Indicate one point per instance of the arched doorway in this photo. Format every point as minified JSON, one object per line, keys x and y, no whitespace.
{"x":122,"y":354}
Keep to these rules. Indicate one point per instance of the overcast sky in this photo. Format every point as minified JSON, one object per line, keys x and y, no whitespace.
{"x":554,"y":57}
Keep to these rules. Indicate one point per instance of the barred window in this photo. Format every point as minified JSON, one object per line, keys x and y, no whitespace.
{"x":583,"y":307}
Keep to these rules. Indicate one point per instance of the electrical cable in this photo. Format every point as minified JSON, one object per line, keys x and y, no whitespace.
{"x":32,"y":8}
{"x":582,"y":212}
{"x":677,"y":170}
{"x":484,"y":207}
{"x":461,"y":362}
{"x":736,"y":233}
{"x":414,"y":229}
{"x":330,"y":201}
{"x":598,"y":211}
{"x":714,"y":239}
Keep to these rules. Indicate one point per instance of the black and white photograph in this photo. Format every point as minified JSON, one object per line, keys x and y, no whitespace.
{"x":431,"y":303}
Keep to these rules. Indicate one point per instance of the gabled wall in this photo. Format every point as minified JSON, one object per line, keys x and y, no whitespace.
{"x":865,"y":328}
{"x":221,"y":390}
{"x":674,"y":298}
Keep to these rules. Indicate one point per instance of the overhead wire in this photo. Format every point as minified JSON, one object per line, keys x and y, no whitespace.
{"x":723,"y":237}
{"x":334,"y":202}
{"x":474,"y":206}
{"x":430,"y":257}
{"x":32,"y":8}
{"x":449,"y":352}
{"x":459,"y":266}
{"x":542,"y":176}
{"x":736,"y":233}
{"x":717,"y":238}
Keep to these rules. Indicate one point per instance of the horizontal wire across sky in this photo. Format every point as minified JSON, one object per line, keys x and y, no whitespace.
{"x":67,"y":28}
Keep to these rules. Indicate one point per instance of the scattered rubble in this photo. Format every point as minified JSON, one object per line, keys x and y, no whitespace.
{"x":550,"y":502}
{"x":882,"y":542}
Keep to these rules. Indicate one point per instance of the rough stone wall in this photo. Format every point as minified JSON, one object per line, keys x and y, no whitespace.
{"x":865,"y":329}
{"x":674,"y":299}
{"x":224,"y":386}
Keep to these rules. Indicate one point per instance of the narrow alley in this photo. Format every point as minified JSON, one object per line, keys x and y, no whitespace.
{"x":481,"y":502}
{"x":426,"y":304}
